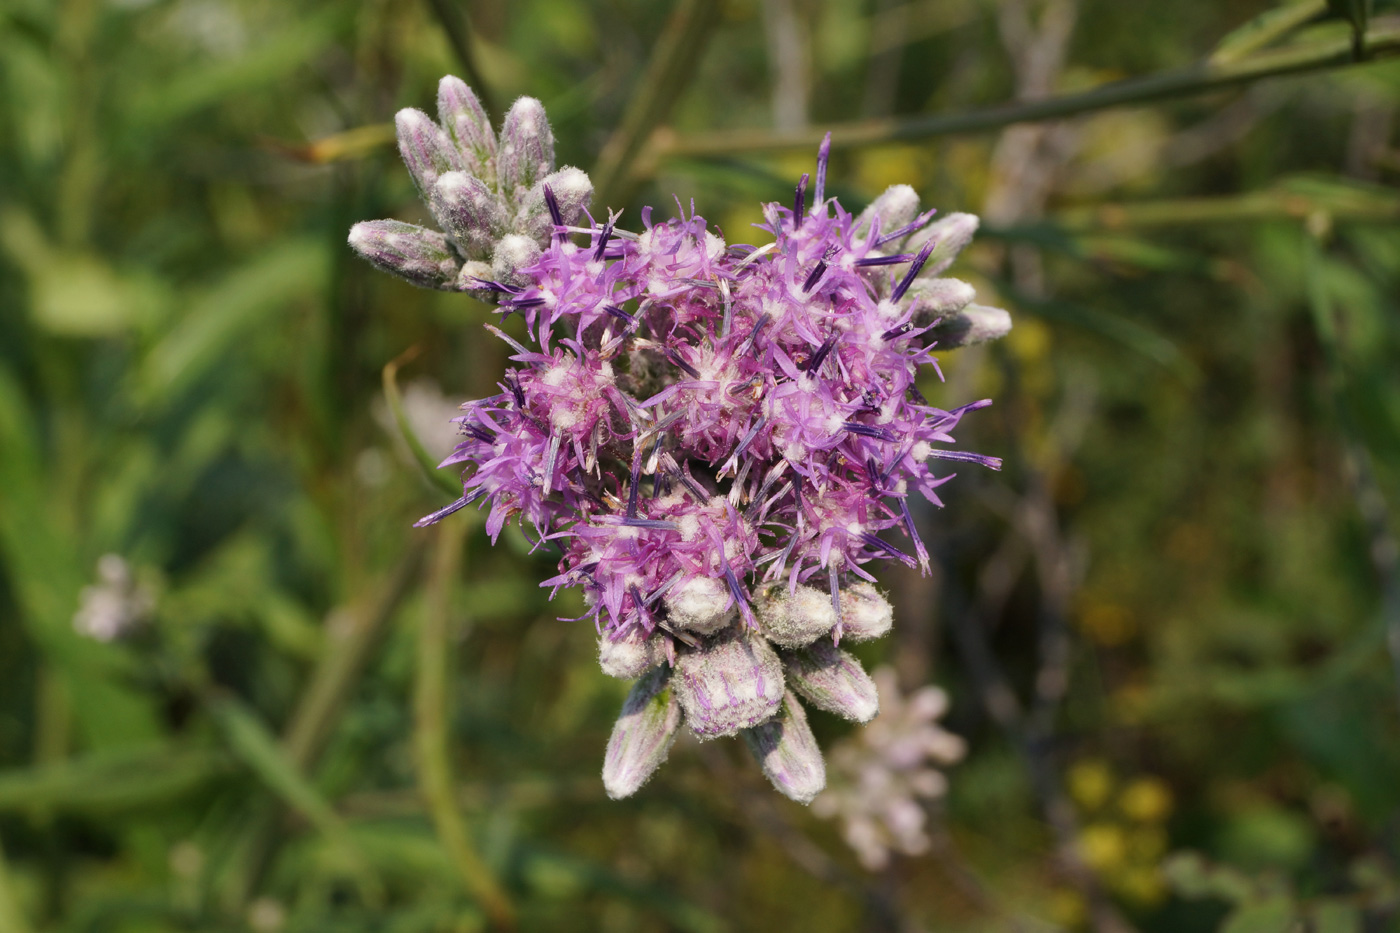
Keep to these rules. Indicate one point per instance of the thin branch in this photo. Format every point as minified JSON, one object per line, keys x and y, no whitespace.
{"x":1382,"y":40}
{"x":432,"y":730}
{"x":672,"y":65}
{"x":11,"y":917}
{"x":452,"y":16}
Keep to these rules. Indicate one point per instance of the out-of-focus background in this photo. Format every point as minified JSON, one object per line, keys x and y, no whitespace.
{"x":239,"y":692}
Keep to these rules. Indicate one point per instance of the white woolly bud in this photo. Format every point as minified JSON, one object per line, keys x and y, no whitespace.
{"x":896,"y":208}
{"x":642,"y":736}
{"x":865,"y":614}
{"x":972,"y":325}
{"x":788,"y":752}
{"x":949,"y":235}
{"x":934,"y":298}
{"x":734,"y":682}
{"x":833,"y":680}
{"x":701,"y":604}
{"x":514,"y":253}
{"x":794,"y":619}
{"x":630,"y":655}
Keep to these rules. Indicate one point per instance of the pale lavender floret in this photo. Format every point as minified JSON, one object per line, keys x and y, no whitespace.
{"x":642,"y":736}
{"x":865,"y":614}
{"x":832,"y":680}
{"x":701,"y":604}
{"x":525,"y":153}
{"x":794,"y":618}
{"x":788,"y":752}
{"x":466,"y":122}
{"x":628,"y":655}
{"x":731,"y":683}
{"x":426,"y":148}
{"x":416,"y":254}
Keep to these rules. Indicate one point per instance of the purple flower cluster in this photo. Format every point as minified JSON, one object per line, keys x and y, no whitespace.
{"x":718,"y":439}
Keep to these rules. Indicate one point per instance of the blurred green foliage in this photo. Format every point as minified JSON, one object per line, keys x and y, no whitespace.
{"x":331,"y":721}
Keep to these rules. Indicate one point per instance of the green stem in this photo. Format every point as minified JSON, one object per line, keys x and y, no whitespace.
{"x":672,"y":65}
{"x":432,"y":730}
{"x":1291,"y":199}
{"x":1382,"y":39}
{"x":452,"y":16}
{"x":11,"y":918}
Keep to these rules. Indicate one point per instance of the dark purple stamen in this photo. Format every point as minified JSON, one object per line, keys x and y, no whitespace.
{"x":657,"y":523}
{"x":676,"y":360}
{"x":636,"y":480}
{"x":965,"y":456}
{"x":748,"y":438}
{"x":479,"y":433}
{"x":638,"y":601}
{"x":869,"y":430}
{"x":894,"y":260}
{"x":913,"y":272}
{"x":906,"y":229}
{"x":513,"y":383}
{"x":553,"y":204}
{"x":886,"y":547}
{"x":823,"y":154}
{"x":758,"y":325}
{"x":820,"y":356}
{"x":818,"y":270}
{"x":692,"y":487}
{"x":603,"y":236}
{"x":738,"y":594}
{"x":442,"y":513}
{"x":496,"y":286}
{"x":799,"y":206}
{"x":520,"y":304}
{"x":896,"y":332}
{"x":620,"y":314}
{"x":872,"y":472}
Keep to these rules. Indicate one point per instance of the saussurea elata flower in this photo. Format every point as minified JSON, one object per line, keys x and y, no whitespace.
{"x":716,"y":438}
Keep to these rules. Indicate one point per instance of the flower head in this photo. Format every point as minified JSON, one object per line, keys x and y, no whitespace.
{"x":717,"y":438}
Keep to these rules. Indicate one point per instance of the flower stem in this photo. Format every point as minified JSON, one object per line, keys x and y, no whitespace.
{"x":11,"y":919}
{"x":1382,"y":39}
{"x":432,"y":721}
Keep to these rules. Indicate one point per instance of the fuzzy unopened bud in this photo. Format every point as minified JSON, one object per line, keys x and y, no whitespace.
{"x":865,"y":614}
{"x":732,"y":683}
{"x":930,"y":299}
{"x":642,"y":736}
{"x":630,"y":655}
{"x":469,"y":211}
{"x":895,"y":208}
{"x":949,"y":235}
{"x":831,"y":679}
{"x":426,"y":149}
{"x":526,"y":151}
{"x":572,"y":190}
{"x":794,"y":619}
{"x":788,"y":752}
{"x":474,"y":276}
{"x":972,"y":325}
{"x":512,"y":254}
{"x":700,"y":604}
{"x":415,"y":254}
{"x":468,"y":126}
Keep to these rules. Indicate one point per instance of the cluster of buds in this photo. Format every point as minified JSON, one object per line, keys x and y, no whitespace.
{"x":488,"y":194}
{"x":882,"y":776}
{"x":714,"y":437}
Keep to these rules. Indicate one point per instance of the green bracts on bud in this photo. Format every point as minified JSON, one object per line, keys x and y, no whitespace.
{"x":788,"y":752}
{"x":830,"y":679}
{"x":426,"y":149}
{"x":415,"y":254}
{"x":972,"y":325}
{"x":469,"y":127}
{"x":469,"y":211}
{"x":642,"y":735}
{"x":525,"y":154}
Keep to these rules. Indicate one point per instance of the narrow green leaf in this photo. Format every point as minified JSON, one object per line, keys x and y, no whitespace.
{"x":1265,"y":29}
{"x":447,"y":484}
{"x":111,"y":782}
